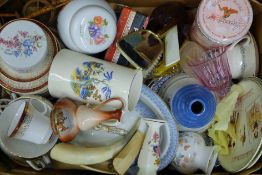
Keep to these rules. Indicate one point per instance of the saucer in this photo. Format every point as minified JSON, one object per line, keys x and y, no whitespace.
{"x":21,"y":148}
{"x":248,"y":126}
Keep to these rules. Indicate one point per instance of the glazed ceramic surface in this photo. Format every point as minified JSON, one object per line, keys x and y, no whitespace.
{"x":30,"y":123}
{"x":149,"y":156}
{"x":223,"y":22}
{"x":88,"y":79}
{"x":19,"y":148}
{"x":171,"y":86}
{"x":35,"y":81}
{"x":23,"y":45}
{"x":247,"y":122}
{"x":92,"y":29}
{"x":66,"y":14}
{"x":243,"y":58}
{"x":151,"y":105}
{"x":193,"y":154}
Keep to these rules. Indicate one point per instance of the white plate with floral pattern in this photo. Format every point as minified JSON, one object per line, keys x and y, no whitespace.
{"x":247,"y":122}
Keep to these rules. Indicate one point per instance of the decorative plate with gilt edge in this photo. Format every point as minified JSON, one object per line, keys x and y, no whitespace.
{"x":247,"y":123}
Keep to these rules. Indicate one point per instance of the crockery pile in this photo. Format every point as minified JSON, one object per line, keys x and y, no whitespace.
{"x":112,"y":90}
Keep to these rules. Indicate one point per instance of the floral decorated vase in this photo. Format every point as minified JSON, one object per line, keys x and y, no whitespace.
{"x":193,"y":154}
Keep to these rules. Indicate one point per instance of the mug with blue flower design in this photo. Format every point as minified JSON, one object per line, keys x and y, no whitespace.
{"x":23,"y":45}
{"x":87,"y":79}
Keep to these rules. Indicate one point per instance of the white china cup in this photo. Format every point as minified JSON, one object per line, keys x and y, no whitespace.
{"x":243,"y":58}
{"x":66,"y":14}
{"x":30,"y":124}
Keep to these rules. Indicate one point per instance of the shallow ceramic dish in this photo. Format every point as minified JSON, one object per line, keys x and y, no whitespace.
{"x":150,"y":105}
{"x":40,"y":71}
{"x":248,"y":126}
{"x":66,"y":14}
{"x":20,"y":148}
{"x":23,"y":44}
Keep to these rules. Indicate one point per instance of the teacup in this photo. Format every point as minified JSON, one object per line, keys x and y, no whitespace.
{"x":243,"y":57}
{"x":88,"y":79}
{"x":30,"y":123}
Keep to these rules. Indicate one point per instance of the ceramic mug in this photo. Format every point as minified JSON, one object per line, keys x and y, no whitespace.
{"x":243,"y":58}
{"x":30,"y":124}
{"x":87,"y":79}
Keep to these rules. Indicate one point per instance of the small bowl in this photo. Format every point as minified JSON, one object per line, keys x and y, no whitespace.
{"x":23,"y":45}
{"x":66,"y":14}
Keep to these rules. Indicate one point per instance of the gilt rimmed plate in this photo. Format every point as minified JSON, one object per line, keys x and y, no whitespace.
{"x":247,"y":122}
{"x":42,"y":69}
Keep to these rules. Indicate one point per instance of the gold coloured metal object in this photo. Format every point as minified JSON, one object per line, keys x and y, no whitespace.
{"x":143,"y":48}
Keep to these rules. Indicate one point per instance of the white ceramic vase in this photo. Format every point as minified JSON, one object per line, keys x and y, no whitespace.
{"x":193,"y":154}
{"x":149,"y":157}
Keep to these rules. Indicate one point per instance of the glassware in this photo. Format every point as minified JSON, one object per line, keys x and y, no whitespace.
{"x":212,"y":69}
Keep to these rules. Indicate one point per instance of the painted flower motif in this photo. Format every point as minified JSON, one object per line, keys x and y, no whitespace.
{"x":98,"y":20}
{"x":22,"y":44}
{"x":91,"y":81}
{"x":96,"y":30}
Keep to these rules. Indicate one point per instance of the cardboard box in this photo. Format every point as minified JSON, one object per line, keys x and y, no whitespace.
{"x":146,"y":7}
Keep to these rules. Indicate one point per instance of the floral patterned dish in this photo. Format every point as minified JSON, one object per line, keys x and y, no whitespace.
{"x":247,"y":123}
{"x":23,"y":45}
{"x":53,"y":48}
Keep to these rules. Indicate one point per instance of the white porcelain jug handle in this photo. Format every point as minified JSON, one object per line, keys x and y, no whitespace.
{"x":245,"y":38}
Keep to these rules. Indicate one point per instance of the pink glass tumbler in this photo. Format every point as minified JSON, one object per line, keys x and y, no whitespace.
{"x":212,"y":69}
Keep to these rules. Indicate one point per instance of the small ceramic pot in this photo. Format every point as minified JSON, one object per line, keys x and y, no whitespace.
{"x":220,"y":23}
{"x":193,"y":154}
{"x":87,"y":26}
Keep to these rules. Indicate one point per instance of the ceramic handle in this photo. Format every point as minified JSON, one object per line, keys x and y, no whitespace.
{"x":245,"y":38}
{"x":111,"y":100}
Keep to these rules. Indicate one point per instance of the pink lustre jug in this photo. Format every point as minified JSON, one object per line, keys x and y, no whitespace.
{"x":68,"y":119}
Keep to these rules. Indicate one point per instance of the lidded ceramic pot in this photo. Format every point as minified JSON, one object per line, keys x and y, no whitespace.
{"x":221,"y":22}
{"x":87,"y":26}
{"x":193,"y":154}
{"x":23,"y":45}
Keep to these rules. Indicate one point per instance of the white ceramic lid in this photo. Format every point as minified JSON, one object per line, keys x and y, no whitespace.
{"x":92,"y":29}
{"x":23,"y":44}
{"x":225,"y":21}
